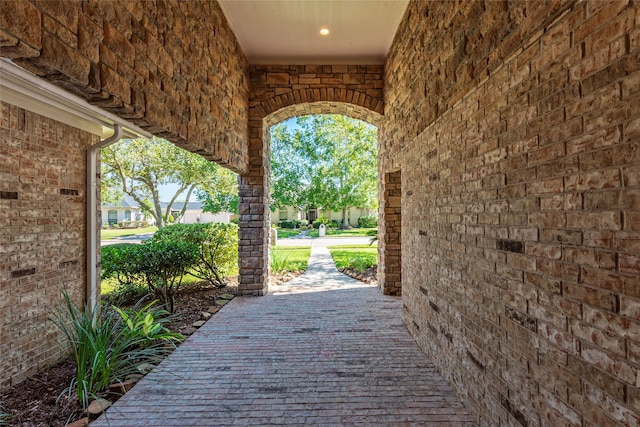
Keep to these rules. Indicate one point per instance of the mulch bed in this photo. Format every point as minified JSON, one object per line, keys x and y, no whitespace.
{"x":39,"y":401}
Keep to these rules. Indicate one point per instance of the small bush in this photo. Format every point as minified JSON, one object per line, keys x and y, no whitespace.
{"x":162,"y":264}
{"x":218,"y":248}
{"x":292,"y":223}
{"x":326,"y":221}
{"x":368,"y":221}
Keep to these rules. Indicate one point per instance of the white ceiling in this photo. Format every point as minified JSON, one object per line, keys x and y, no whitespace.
{"x":288,"y":31}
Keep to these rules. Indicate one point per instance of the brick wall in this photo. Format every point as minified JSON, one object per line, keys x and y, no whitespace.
{"x":42,"y":235}
{"x":279,"y":92}
{"x":519,"y":146}
{"x":173,"y":68}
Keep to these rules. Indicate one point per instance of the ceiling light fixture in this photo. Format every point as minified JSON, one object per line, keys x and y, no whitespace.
{"x":324,"y":31}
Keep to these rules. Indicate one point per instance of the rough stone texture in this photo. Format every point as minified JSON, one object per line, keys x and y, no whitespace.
{"x":42,"y":235}
{"x":516,"y":129}
{"x":173,"y":68}
{"x":278,"y":93}
{"x":389,"y":247}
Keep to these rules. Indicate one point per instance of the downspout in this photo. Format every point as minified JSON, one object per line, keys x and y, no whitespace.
{"x":92,"y":215}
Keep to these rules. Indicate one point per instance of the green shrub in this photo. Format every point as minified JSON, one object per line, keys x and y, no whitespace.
{"x":119,"y":263}
{"x":161,"y":266}
{"x":321,"y":220}
{"x":289,"y":223}
{"x":368,"y":221}
{"x":106,"y":345}
{"x":218,"y":248}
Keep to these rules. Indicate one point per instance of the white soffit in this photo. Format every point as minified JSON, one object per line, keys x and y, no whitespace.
{"x":288,"y":31}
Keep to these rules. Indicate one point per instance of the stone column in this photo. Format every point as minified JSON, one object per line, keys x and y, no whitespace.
{"x":253,"y":210}
{"x":389,"y":267}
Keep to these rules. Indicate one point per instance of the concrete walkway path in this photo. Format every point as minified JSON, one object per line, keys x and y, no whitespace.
{"x":323,"y":349}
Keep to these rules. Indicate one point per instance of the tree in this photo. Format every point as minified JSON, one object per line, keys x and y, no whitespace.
{"x":138,"y":167}
{"x":220,"y":194}
{"x":327,"y":161}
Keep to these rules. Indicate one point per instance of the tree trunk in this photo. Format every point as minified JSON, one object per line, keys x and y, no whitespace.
{"x":345,"y":219}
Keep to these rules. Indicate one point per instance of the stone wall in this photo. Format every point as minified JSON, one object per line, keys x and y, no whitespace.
{"x":279,"y":92}
{"x":42,"y":235}
{"x":174,"y":68}
{"x":517,"y":129}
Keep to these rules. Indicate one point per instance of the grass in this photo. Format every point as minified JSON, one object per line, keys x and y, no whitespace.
{"x":289,"y":258}
{"x":354,"y":232}
{"x":284,"y":233}
{"x":356,"y":257}
{"x":112,"y":233}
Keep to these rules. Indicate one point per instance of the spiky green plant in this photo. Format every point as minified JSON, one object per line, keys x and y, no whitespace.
{"x":107,"y":345}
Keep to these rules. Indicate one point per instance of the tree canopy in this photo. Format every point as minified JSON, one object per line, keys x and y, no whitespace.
{"x":324,"y":161}
{"x":138,"y":167}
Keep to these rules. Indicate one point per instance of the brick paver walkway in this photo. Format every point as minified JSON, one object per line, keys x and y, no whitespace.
{"x":323,"y":350}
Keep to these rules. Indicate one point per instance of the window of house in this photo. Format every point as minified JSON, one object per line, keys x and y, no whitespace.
{"x":283,"y":214}
{"x":127,"y":215}
{"x":112,"y":216}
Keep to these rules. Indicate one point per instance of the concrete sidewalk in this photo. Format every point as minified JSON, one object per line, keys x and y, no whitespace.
{"x":323,"y":349}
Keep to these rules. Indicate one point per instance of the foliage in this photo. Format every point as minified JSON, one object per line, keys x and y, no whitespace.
{"x":161,"y":265}
{"x":220,"y":194}
{"x":329,"y":223}
{"x":326,"y":161}
{"x":218,"y":248}
{"x":137,"y":167}
{"x":158,"y":265}
{"x":105,"y":349}
{"x":289,"y":258}
{"x":290,"y":223}
{"x":355,"y":257}
{"x":368,"y":221}
{"x":4,"y":416}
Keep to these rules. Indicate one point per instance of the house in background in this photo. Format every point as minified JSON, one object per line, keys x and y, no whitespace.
{"x":127,"y":210}
{"x":194,"y":213}
{"x":292,"y":213}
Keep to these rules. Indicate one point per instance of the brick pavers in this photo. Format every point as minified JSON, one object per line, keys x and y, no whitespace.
{"x":331,"y":352}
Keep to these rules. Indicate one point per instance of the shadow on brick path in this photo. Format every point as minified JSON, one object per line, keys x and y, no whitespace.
{"x":323,"y":349}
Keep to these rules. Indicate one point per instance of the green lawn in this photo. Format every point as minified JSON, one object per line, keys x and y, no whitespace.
{"x":289,"y":258}
{"x":284,"y":233}
{"x":354,"y":232}
{"x":112,"y":233}
{"x":357,"y":257}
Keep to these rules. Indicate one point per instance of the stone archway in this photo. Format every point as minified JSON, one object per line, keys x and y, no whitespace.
{"x":278,"y":93}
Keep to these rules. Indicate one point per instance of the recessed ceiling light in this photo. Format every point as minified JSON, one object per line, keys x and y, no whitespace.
{"x":324,"y":31}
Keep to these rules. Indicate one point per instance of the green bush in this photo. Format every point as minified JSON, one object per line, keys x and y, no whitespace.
{"x":368,"y":221}
{"x":119,"y":263}
{"x":162,"y":264}
{"x":326,"y":221}
{"x":218,"y":248}
{"x":107,"y":345}
{"x":290,"y":223}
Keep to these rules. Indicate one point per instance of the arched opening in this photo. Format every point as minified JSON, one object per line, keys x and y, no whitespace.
{"x":254,"y":188}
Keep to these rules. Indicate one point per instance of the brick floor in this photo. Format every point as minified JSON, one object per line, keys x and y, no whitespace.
{"x":324,"y":350}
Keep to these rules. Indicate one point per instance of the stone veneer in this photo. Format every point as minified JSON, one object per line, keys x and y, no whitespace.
{"x":174,"y":68}
{"x":279,"y":92}
{"x":516,"y":127}
{"x":42,"y":235}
